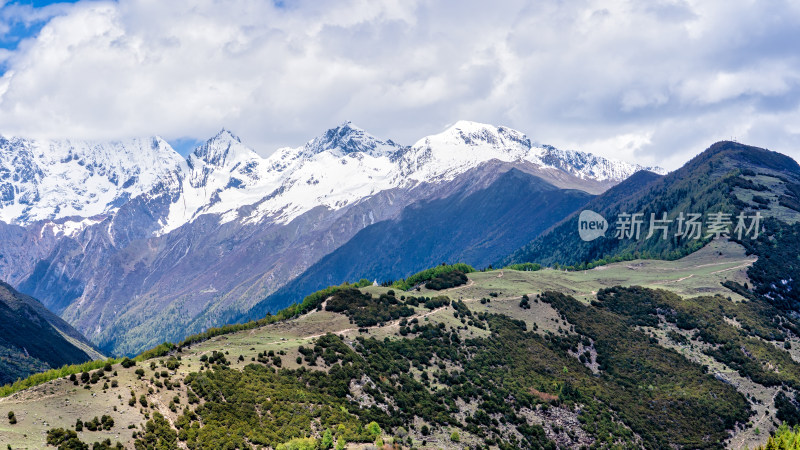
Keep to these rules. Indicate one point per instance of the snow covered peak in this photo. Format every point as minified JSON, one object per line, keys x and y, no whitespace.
{"x":224,"y":150}
{"x":586,"y":165}
{"x":461,"y":147}
{"x":53,"y":179}
{"x":348,"y":139}
{"x":481,"y":134}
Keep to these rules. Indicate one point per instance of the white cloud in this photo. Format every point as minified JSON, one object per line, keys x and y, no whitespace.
{"x":625,"y":146}
{"x":654,"y":81}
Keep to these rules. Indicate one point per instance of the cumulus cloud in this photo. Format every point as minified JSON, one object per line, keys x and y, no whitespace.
{"x":654,"y":82}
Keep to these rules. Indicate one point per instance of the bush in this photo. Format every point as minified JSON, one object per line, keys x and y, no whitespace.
{"x":447,"y":280}
{"x":437,"y":302}
{"x":365,"y":310}
{"x":374,"y":429}
{"x":64,"y":439}
{"x":524,"y":267}
{"x":429,"y":274}
{"x":107,"y":422}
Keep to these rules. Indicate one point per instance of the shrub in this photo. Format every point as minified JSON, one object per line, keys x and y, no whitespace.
{"x":374,"y":429}
{"x":447,"y":280}
{"x":66,"y":439}
{"x":327,"y":440}
{"x":429,"y":274}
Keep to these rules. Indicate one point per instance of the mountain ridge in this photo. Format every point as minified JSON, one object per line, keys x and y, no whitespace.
{"x":32,"y":339}
{"x":646,"y":353}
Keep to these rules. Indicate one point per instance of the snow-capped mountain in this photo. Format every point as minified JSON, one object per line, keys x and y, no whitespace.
{"x":346,"y":164}
{"x":134,"y":244}
{"x":50,"y":180}
{"x":467,"y":144}
{"x":588,"y":166}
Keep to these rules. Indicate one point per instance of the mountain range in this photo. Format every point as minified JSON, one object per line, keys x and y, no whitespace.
{"x":632,"y":343}
{"x":133,"y":244}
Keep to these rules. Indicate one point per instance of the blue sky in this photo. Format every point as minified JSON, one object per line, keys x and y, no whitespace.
{"x":652,"y":82}
{"x":18,"y":28}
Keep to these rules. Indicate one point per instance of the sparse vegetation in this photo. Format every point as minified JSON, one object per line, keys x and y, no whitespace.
{"x":366,"y":310}
{"x":44,"y":377}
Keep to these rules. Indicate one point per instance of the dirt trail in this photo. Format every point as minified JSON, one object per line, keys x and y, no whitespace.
{"x":746,"y":262}
{"x":733,"y":268}
{"x":739,"y":440}
{"x":674,"y":281}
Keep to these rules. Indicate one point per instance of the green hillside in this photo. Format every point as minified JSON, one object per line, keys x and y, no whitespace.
{"x":506,"y":361}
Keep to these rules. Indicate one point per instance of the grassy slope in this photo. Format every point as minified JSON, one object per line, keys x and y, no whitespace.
{"x":59,"y":403}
